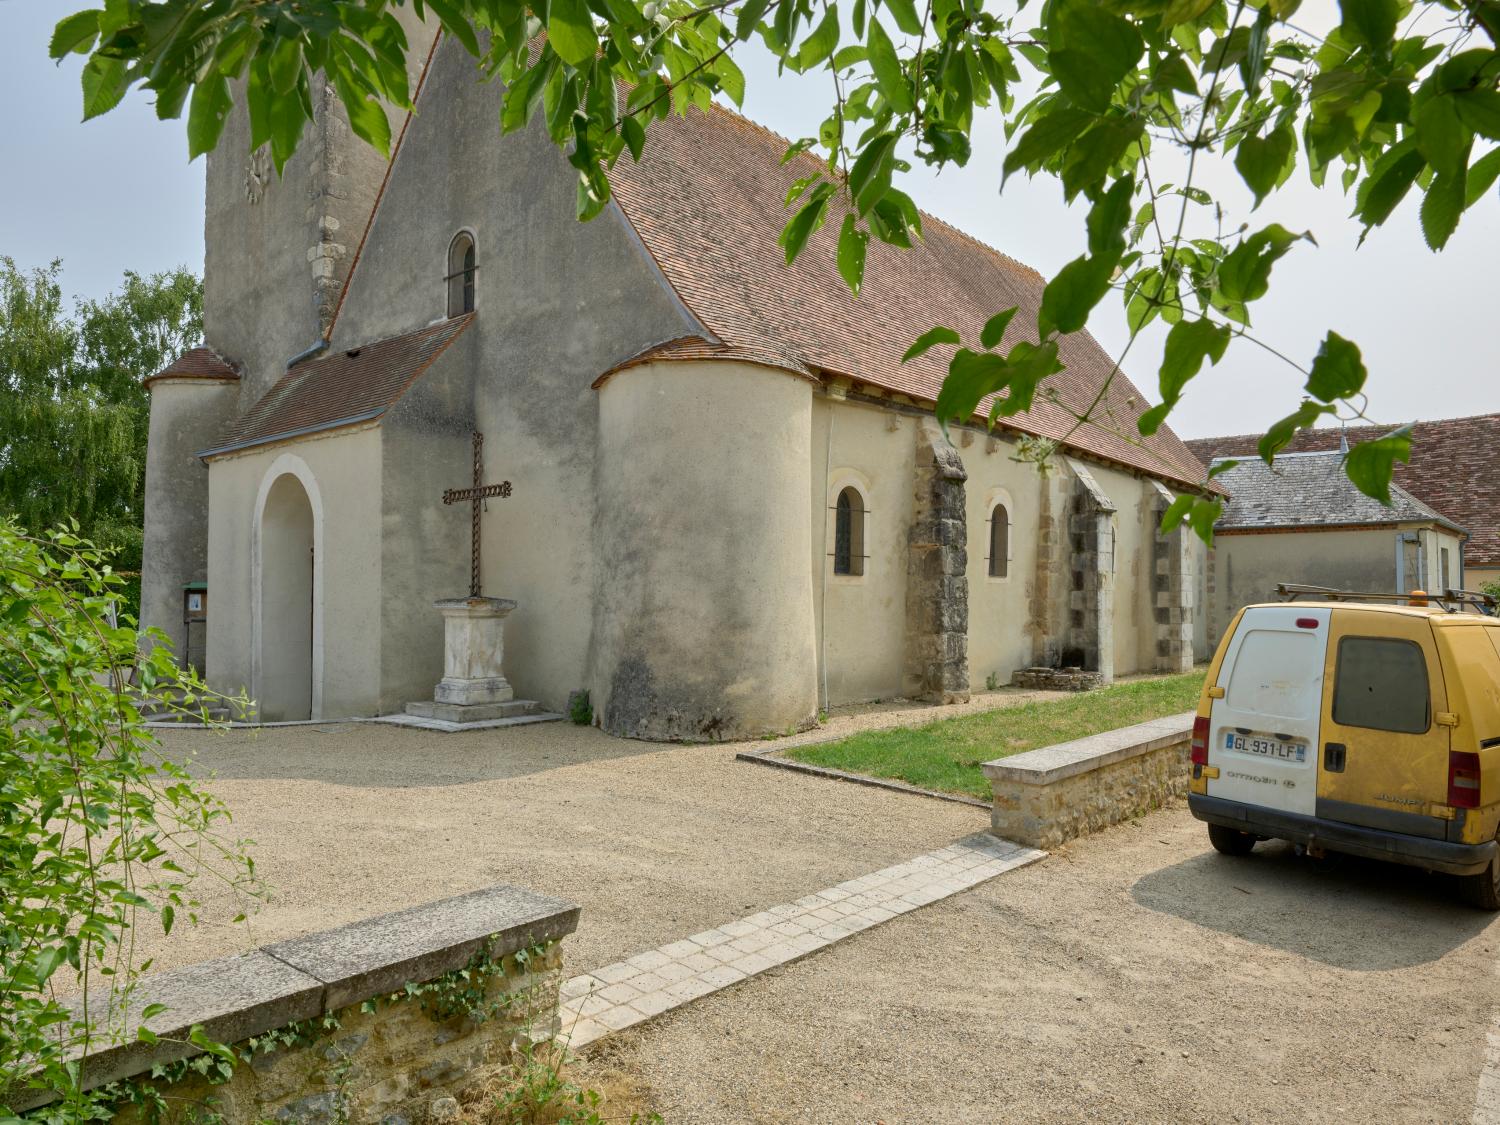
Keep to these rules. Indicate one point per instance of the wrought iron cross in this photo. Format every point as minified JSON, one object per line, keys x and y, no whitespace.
{"x":475,"y":495}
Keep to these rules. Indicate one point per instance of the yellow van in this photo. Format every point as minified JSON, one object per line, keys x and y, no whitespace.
{"x":1364,"y":724}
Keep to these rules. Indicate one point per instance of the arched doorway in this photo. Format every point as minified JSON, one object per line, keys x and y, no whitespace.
{"x":288,"y":566}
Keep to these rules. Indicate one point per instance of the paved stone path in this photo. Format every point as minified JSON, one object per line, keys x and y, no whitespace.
{"x":616,"y":996}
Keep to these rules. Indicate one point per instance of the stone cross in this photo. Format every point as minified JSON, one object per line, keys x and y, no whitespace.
{"x":475,"y":496}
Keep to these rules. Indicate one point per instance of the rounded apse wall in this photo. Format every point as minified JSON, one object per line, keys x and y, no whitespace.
{"x":703,"y":605}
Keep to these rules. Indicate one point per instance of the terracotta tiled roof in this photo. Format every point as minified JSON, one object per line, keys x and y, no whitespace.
{"x":1455,"y":469}
{"x":341,"y":388}
{"x":707,"y":200}
{"x":197,"y":363}
{"x":1310,"y":490}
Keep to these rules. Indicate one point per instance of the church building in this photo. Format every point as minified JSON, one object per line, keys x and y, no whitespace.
{"x":717,"y":497}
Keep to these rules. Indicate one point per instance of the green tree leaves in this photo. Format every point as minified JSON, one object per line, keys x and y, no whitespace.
{"x":1370,"y":463}
{"x":1189,"y":343}
{"x":1091,"y":51}
{"x":570,"y":31}
{"x":890,"y":77}
{"x":1265,"y":162}
{"x":1337,"y":372}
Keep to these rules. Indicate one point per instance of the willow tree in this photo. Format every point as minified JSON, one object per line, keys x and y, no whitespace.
{"x":1128,"y":102}
{"x":73,"y":413}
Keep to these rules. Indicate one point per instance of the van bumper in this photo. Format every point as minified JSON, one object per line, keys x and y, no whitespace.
{"x":1353,"y":839}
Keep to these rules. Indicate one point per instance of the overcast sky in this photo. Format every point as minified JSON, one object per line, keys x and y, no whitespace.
{"x":118,"y":193}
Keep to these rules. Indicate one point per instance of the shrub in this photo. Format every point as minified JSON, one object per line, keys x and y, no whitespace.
{"x":98,"y":829}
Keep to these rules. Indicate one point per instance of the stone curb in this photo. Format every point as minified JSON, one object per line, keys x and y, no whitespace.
{"x":774,"y":758}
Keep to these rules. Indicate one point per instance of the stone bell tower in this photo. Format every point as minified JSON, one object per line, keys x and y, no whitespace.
{"x":277,"y":252}
{"x":278,"y":248}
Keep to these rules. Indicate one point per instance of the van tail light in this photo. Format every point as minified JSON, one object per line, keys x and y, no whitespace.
{"x":1463,"y":780}
{"x":1199,"y":755}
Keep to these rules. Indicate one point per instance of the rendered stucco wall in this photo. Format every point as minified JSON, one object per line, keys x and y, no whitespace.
{"x":863,"y":617}
{"x":346,"y":469}
{"x":703,"y":610}
{"x":1001,"y":635}
{"x":424,"y":543}
{"x":185,"y":417}
{"x":1247,"y":567}
{"x":557,"y":303}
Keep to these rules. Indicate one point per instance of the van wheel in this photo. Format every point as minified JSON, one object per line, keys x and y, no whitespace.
{"x":1483,"y":890}
{"x":1230,"y":841}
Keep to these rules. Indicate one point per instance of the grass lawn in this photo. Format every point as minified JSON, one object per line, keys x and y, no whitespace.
{"x":946,"y":755}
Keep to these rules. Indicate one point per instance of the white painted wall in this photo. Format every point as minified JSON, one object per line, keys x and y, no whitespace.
{"x":343,"y":471}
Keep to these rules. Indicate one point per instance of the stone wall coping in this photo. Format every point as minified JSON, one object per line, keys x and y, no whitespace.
{"x":380,"y":954}
{"x":247,"y":994}
{"x":1083,"y":755}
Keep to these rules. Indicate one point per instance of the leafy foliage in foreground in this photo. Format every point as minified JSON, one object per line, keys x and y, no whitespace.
{"x":97,"y":829}
{"x":1132,"y":99}
{"x":946,"y":755}
{"x":73,"y":413}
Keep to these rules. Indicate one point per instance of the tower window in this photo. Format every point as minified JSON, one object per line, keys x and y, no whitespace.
{"x":460,"y":277}
{"x":849,"y":533}
{"x":999,"y":541}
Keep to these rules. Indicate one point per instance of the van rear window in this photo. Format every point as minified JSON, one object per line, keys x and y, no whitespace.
{"x":1277,"y":672}
{"x":1382,"y":684}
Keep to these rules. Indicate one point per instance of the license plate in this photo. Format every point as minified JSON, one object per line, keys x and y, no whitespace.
{"x":1264,"y":746}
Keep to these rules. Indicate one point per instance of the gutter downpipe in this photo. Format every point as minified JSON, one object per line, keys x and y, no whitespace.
{"x":823,"y":559}
{"x":307,"y":353}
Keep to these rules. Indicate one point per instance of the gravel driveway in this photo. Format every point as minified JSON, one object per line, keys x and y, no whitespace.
{"x":655,"y":841}
{"x":1133,"y":976}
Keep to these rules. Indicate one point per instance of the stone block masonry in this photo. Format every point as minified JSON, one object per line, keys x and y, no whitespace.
{"x":1091,"y":555}
{"x":1048,"y":796}
{"x":937,"y":586}
{"x":371,"y":1022}
{"x":1172,"y":588}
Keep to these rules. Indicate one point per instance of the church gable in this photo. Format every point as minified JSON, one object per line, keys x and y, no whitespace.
{"x":553,"y":298}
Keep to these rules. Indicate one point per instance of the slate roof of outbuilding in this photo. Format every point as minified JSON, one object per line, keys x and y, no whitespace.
{"x":340,"y":388}
{"x":707,"y":200}
{"x":196,"y":363}
{"x":1305,"y":490}
{"x":1454,"y":468}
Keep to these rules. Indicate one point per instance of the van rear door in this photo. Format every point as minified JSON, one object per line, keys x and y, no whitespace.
{"x":1384,"y":758}
{"x":1263,"y":733}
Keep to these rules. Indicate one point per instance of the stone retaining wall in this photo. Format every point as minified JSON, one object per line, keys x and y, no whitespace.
{"x":385,"y":1020}
{"x":1048,"y":796}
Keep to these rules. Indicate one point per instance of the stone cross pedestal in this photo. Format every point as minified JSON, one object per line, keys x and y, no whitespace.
{"x":473,"y":687}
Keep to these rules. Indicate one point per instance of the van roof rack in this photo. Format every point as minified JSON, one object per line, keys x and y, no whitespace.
{"x":1450,"y":600}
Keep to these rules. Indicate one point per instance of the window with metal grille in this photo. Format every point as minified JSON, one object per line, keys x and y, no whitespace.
{"x":460,"y":279}
{"x":849,"y":533}
{"x":999,"y":541}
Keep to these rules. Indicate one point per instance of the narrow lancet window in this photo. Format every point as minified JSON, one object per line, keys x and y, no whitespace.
{"x":849,"y":533}
{"x":461,"y":274}
{"x":999,"y":542}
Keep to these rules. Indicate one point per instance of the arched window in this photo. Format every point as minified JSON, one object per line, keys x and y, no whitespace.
{"x":461,"y":274}
{"x":999,"y":541}
{"x":849,"y":533}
